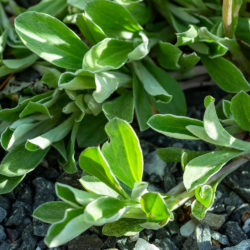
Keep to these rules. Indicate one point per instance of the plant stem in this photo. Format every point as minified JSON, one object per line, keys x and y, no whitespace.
{"x":180,"y":196}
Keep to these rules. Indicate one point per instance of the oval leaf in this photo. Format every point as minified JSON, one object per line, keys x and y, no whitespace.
{"x":50,"y":39}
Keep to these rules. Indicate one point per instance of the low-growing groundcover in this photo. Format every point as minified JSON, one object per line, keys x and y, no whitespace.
{"x":105,"y":64}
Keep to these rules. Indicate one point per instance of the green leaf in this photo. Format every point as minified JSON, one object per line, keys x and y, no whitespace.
{"x":97,"y":124}
{"x":50,"y":39}
{"x":73,"y":196}
{"x":138,"y":190}
{"x":123,"y":152}
{"x":204,"y":194}
{"x":188,"y":37}
{"x":94,"y":163}
{"x":50,"y":7}
{"x":54,"y":135}
{"x":168,"y":56}
{"x":142,"y":105}
{"x":155,"y":208}
{"x":90,"y":30}
{"x":67,"y":229}
{"x":107,"y":83}
{"x":51,"y":212}
{"x":142,"y":49}
{"x":122,"y":227}
{"x":150,"y":84}
{"x":114,"y":19}
{"x":94,"y":185}
{"x":188,"y":61}
{"x":70,"y":165}
{"x":200,"y":169}
{"x":177,"y":105}
{"x":216,"y":132}
{"x":172,"y":154}
{"x":240,"y":110}
{"x":226,"y":106}
{"x":7,"y":184}
{"x":80,"y":80}
{"x":19,"y":161}
{"x":225,"y":74}
{"x":121,"y":107}
{"x":107,"y":55}
{"x":104,"y":210}
{"x":174,"y":126}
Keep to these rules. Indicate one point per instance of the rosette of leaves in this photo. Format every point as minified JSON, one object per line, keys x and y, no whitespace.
{"x":17,"y":57}
{"x":214,"y":33}
{"x":115,"y":196}
{"x":204,"y":170}
{"x":88,"y":87}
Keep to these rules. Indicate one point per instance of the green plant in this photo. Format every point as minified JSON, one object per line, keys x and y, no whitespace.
{"x":115,"y":196}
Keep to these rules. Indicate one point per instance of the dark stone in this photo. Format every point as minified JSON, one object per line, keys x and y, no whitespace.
{"x":27,"y":206}
{"x":13,"y":234}
{"x":162,"y":233}
{"x":110,"y":242}
{"x":41,"y":245}
{"x":203,"y":237}
{"x":233,"y":200}
{"x":154,"y":167}
{"x":122,"y":243}
{"x":239,"y":181}
{"x":190,"y":243}
{"x":51,"y":174}
{"x":244,"y":245}
{"x":24,"y":193}
{"x":40,"y":228}
{"x":16,"y":217}
{"x":29,"y":241}
{"x":2,"y":234}
{"x":166,"y":244}
{"x":237,"y":213}
{"x":86,"y":242}
{"x":44,"y":191}
{"x":173,"y":227}
{"x":3,"y":214}
{"x":4,"y":202}
{"x":4,"y":246}
{"x":169,"y":180}
{"x":234,"y":232}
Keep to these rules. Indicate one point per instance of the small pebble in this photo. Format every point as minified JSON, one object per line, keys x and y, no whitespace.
{"x":188,"y":228}
{"x":203,"y":237}
{"x":215,"y":221}
{"x":244,"y":245}
{"x":142,"y":244}
{"x":234,"y":232}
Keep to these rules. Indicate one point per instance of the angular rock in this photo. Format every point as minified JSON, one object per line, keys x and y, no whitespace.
{"x":188,"y":228}
{"x":246,"y":226}
{"x":2,"y":234}
{"x":239,"y":212}
{"x":215,"y":221}
{"x":154,"y":165}
{"x":169,"y":180}
{"x":45,"y":191}
{"x":16,"y":217}
{"x":142,"y":244}
{"x":203,"y":237}
{"x":29,"y":241}
{"x":40,"y":228}
{"x":222,"y":239}
{"x":3,"y":214}
{"x":244,"y":245}
{"x":4,"y":202}
{"x":234,"y":232}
